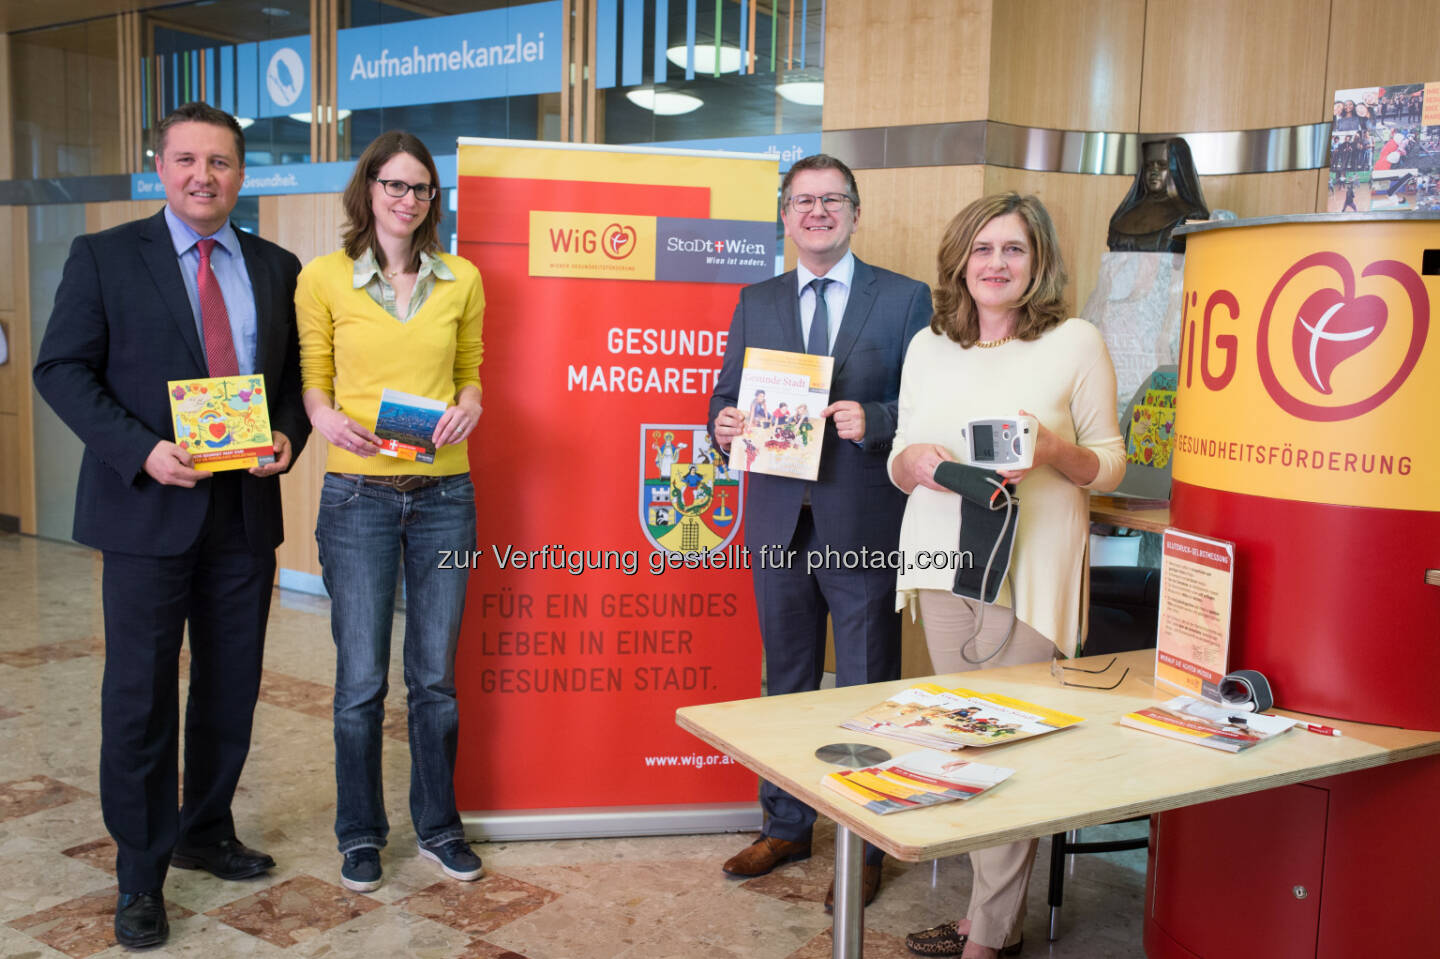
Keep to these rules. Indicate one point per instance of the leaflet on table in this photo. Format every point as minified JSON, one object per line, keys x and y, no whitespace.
{"x":1192,"y":643}
{"x":914,"y":780}
{"x":781,"y":395}
{"x":1205,"y":723}
{"x":405,"y":424}
{"x":222,"y":421}
{"x":930,"y":715}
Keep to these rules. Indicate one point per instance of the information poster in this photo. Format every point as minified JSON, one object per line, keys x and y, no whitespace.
{"x":608,"y":588}
{"x":1192,"y":647}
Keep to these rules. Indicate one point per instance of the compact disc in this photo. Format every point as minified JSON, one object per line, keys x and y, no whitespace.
{"x":854,"y":755}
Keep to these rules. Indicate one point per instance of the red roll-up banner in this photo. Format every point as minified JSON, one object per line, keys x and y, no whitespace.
{"x":609,"y":586}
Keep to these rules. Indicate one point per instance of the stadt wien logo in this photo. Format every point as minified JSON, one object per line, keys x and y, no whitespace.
{"x":689,"y":501}
{"x":1334,"y":325}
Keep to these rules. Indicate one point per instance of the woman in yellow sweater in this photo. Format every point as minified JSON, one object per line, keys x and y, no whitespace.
{"x":390,"y":311}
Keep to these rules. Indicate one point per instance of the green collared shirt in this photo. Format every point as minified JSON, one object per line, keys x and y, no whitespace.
{"x":369,"y":277}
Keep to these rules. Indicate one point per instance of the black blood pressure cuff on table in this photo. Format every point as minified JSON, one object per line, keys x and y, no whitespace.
{"x":984,"y":520}
{"x":1246,"y":690}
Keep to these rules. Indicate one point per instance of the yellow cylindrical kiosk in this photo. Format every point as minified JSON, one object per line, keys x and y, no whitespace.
{"x":1308,"y":382}
{"x":1305,"y":432}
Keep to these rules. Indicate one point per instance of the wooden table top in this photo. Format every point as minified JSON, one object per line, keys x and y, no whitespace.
{"x":1093,"y":773}
{"x":1107,"y":509}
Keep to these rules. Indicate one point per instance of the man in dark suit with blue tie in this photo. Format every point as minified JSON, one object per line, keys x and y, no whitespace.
{"x":864,"y":317}
{"x":180,"y":295}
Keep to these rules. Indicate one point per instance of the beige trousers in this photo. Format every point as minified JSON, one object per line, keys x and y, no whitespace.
{"x":1001,"y":873}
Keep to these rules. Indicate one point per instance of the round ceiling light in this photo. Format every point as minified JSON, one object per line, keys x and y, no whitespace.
{"x":664,"y":103}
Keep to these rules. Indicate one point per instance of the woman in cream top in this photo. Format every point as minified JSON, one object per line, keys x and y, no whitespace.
{"x":999,"y":345}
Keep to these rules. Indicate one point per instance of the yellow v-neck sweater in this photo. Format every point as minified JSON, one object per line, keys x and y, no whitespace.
{"x":352,"y":349}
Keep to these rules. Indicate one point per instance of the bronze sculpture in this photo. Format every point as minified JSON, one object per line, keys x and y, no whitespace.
{"x":1165,"y":194}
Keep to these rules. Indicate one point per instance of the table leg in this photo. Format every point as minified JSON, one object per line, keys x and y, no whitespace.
{"x":849,"y":927}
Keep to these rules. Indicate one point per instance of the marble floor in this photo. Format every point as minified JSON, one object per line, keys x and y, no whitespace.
{"x":637,"y":898}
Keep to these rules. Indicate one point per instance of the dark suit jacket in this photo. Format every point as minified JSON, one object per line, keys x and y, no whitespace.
{"x":854,"y":503}
{"x":122,"y":326}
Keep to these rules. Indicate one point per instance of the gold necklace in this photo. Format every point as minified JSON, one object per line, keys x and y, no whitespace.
{"x":991,"y":344}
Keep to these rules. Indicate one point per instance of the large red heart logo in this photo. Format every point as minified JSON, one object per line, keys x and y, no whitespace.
{"x":618,"y":241}
{"x":217,"y":430}
{"x":1330,"y":330}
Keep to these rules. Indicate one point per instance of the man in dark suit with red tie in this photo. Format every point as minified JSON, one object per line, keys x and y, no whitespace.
{"x":864,"y":317}
{"x":180,"y":295}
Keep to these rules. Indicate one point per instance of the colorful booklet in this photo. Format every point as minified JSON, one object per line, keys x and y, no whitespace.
{"x":781,"y":395}
{"x":1205,"y":723}
{"x":915,"y":780}
{"x":405,"y":424}
{"x":950,"y":719}
{"x":222,"y":421}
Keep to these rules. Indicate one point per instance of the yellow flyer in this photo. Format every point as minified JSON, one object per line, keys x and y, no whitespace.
{"x":222,"y":421}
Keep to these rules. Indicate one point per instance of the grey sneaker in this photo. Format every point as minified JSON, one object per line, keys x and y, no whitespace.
{"x":456,"y":859}
{"x":361,"y":871}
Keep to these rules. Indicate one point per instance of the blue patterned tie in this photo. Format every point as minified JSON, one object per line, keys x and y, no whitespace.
{"x":819,"y":340}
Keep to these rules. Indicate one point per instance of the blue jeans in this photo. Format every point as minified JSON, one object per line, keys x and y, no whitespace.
{"x":364,"y":533}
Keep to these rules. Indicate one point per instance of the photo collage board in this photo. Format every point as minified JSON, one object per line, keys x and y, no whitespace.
{"x":1385,"y":149}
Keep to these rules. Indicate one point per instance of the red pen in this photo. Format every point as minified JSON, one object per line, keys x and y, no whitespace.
{"x":1319,"y":728}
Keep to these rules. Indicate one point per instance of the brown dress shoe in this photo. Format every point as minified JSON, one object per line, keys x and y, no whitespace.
{"x":869,"y":883}
{"x":763,"y":855}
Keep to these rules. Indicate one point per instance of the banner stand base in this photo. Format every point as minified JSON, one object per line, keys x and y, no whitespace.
{"x":599,"y":822}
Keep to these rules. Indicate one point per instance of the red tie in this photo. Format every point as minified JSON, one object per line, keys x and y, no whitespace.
{"x":214,"y":318}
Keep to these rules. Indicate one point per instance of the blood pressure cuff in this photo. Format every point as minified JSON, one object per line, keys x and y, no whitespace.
{"x":983,"y":521}
{"x":1246,"y":690}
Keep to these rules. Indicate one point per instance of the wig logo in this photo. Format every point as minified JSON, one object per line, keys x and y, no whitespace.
{"x":618,"y":241}
{"x":1333,"y":327}
{"x":614,"y":246}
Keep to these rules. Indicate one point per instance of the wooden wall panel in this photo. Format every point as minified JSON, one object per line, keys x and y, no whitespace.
{"x":903,"y":212}
{"x":17,"y":431}
{"x":7,"y":121}
{"x":897,"y":62}
{"x":1263,"y":194}
{"x":1067,"y":64}
{"x":12,"y":465}
{"x":307,"y":226}
{"x":10,"y":278}
{"x":103,"y":216}
{"x":64,"y":100}
{"x":1379,"y":43}
{"x":1081,"y":206}
{"x":15,"y":372}
{"x":1240,"y":65}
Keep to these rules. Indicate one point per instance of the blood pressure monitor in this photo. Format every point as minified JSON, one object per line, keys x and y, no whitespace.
{"x":1001,"y":442}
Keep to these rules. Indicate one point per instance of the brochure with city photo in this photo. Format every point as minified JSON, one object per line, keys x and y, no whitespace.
{"x":405,"y":424}
{"x":223,"y":422}
{"x":781,"y":395}
{"x":930,"y":715}
{"x":914,"y":781}
{"x":1205,"y":723}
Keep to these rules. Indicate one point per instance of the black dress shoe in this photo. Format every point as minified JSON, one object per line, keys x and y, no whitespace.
{"x":140,"y":920}
{"x":227,"y":859}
